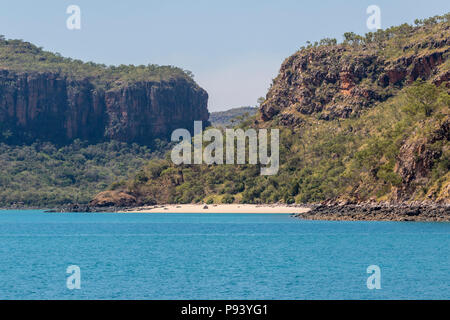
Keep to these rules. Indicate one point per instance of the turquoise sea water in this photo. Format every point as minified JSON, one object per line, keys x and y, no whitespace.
{"x":218,"y":256}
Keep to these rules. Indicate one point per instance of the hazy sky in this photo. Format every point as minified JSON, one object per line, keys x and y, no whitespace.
{"x":234,"y":47}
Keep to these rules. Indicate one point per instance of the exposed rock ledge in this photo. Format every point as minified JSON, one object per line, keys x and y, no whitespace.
{"x":53,"y":107}
{"x":429,"y":212}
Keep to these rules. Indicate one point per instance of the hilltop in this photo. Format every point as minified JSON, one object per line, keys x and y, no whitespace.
{"x":19,"y":56}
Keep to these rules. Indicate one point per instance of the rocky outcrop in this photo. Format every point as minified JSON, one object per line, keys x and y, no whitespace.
{"x":379,"y":212}
{"x":47,"y":107}
{"x":416,"y":159}
{"x":143,"y":111}
{"x":113,"y":198}
{"x":51,"y":107}
{"x":339,"y":81}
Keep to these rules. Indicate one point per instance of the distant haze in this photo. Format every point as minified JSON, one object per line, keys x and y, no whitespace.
{"x":233,"y":47}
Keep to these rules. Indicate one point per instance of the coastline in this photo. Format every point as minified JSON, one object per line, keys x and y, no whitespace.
{"x":327,"y":211}
{"x":221,"y":208}
{"x":401,"y":212}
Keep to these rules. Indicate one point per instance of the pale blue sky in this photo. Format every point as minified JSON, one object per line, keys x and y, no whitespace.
{"x":234,"y":47}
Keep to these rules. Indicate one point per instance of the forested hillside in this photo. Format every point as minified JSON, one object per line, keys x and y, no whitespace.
{"x":231,"y":117}
{"x":45,"y":175}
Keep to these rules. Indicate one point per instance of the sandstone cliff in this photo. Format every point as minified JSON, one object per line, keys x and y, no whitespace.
{"x":64,"y":100}
{"x":340,"y":80}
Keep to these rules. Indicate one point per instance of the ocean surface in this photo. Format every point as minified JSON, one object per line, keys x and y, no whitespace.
{"x":218,"y":256}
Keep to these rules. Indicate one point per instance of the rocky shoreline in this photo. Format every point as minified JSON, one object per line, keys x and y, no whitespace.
{"x":380,"y":211}
{"x":425,"y":212}
{"x":85,"y":208}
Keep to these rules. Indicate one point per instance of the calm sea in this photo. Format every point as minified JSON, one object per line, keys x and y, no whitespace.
{"x":218,"y":256}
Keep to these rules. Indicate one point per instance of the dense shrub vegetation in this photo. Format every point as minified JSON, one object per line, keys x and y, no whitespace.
{"x":44,"y":175}
{"x":18,"y":55}
{"x":401,"y":35}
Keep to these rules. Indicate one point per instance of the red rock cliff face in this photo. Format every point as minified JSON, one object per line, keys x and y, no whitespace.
{"x":147,"y":110}
{"x":48,"y":107}
{"x":338,"y":81}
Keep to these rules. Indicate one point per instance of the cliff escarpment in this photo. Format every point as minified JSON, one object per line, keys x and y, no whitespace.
{"x":146,"y":110}
{"x":332,"y":81}
{"x":49,"y":98}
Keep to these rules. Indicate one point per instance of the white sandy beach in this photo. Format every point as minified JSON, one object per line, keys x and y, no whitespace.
{"x":220,"y":208}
